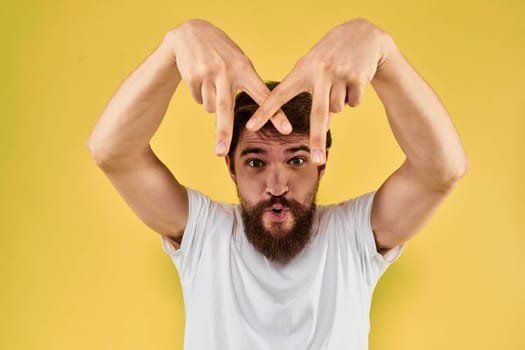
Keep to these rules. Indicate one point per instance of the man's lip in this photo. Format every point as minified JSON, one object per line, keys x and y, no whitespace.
{"x":277,"y":216}
{"x":277,"y":207}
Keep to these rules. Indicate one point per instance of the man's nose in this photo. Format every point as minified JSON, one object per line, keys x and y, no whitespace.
{"x":276,"y":183}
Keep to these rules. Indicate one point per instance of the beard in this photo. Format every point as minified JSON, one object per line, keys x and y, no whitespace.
{"x":279,"y":243}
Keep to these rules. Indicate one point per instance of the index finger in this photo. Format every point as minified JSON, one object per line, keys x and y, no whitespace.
{"x":282,"y":93}
{"x":259,"y":92}
{"x":224,"y":117}
{"x":319,"y":121}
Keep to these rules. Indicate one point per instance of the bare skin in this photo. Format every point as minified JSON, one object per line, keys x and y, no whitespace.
{"x":336,"y":71}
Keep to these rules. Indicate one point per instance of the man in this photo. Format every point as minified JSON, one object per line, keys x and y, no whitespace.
{"x":276,"y":271}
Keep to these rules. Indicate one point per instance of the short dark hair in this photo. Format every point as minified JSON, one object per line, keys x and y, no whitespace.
{"x":297,"y":110}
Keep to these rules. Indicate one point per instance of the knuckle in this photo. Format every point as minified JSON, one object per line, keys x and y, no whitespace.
{"x":191,"y":79}
{"x":318,"y":112}
{"x":354,"y":102}
{"x":198,"y":21}
{"x":193,"y":22}
{"x":316,"y":141}
{"x":203,"y":70}
{"x":334,"y":68}
{"x":188,"y":27}
{"x":326,"y":64}
{"x":223,"y":134}
{"x":341,"y":70}
{"x":361,"y":21}
{"x":222,"y":64}
{"x":354,"y":99}
{"x":303,"y":64}
{"x":336,"y":107}
{"x":223,"y":105}
{"x":357,"y":78}
{"x":243,"y":63}
{"x":209,"y":107}
{"x":196,"y":96}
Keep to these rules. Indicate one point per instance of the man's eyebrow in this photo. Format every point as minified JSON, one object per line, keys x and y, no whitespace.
{"x":254,"y":150}
{"x":257,"y":150}
{"x":298,"y":148}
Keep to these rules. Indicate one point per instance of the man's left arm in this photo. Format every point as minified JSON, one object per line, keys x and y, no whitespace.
{"x":336,"y":71}
{"x":435,"y":159}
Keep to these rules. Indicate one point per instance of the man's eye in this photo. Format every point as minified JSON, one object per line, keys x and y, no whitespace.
{"x":255,"y":163}
{"x":296,"y":161}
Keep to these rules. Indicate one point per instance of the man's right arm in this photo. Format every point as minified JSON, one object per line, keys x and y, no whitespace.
{"x":120,"y":144}
{"x":214,"y":68}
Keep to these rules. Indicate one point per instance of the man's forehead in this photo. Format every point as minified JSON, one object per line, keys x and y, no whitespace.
{"x":249,"y":138}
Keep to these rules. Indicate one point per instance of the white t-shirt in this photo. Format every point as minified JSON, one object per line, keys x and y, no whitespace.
{"x":235,"y":298}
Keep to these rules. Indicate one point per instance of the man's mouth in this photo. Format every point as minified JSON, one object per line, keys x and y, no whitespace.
{"x":277,"y":213}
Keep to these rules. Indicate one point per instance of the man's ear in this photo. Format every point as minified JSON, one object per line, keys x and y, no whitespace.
{"x":229,"y":164}
{"x":322,"y":168}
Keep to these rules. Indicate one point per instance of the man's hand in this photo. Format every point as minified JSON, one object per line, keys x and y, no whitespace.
{"x":336,"y":71}
{"x":214,"y":68}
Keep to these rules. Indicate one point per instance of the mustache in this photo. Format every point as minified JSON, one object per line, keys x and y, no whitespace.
{"x":295,"y":207}
{"x":289,"y":203}
{"x":282,"y":201}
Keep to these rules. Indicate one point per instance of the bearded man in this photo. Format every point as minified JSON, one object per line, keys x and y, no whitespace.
{"x":276,"y":271}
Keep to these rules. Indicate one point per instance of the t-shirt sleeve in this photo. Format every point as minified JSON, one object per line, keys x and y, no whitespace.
{"x":371,"y":263}
{"x":188,"y":256}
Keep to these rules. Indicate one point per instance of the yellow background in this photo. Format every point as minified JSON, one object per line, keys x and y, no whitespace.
{"x":79,"y":271}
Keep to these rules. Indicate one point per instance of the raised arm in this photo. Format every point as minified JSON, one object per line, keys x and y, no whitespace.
{"x":435,"y":158}
{"x":336,"y":71}
{"x":213,"y":67}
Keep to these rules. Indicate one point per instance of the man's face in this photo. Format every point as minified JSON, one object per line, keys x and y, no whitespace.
{"x":276,"y":182}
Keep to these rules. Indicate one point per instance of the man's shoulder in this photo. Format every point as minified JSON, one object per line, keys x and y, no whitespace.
{"x":201,"y":201}
{"x":348,"y":208}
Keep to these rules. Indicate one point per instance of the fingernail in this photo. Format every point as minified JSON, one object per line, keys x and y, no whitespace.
{"x":286,"y":127}
{"x":318,"y":157}
{"x":220,"y":148}
{"x":251,"y":124}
